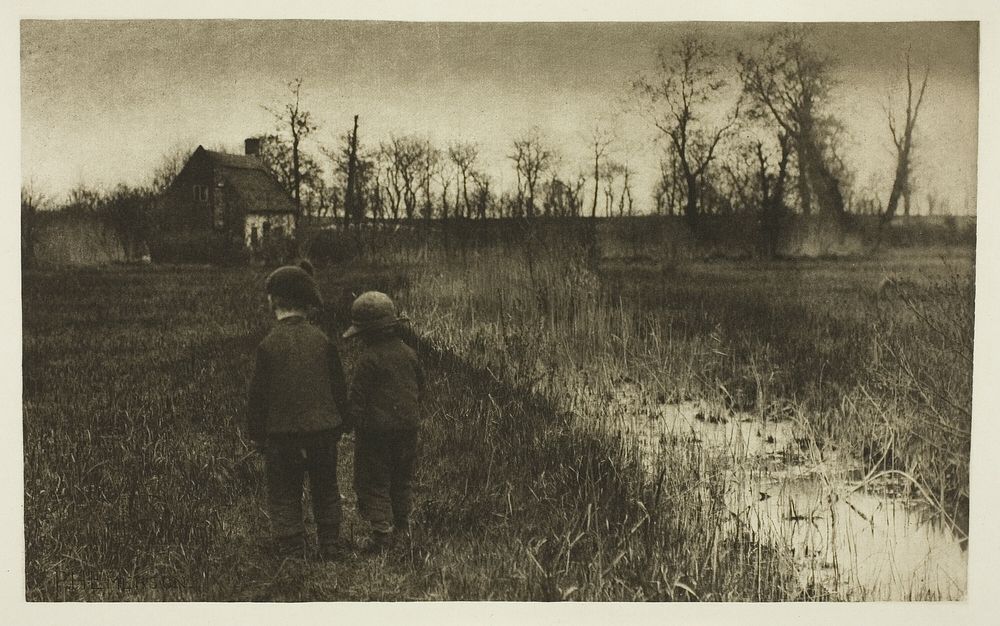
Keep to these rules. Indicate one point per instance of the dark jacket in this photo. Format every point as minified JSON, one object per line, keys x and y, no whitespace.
{"x":298,"y":384}
{"x":387,"y":387}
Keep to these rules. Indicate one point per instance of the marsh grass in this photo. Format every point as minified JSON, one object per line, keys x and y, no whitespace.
{"x":139,"y":486}
{"x":870,"y":355}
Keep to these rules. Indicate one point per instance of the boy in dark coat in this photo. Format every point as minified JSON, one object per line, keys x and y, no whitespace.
{"x":385,"y":412}
{"x":298,"y":396}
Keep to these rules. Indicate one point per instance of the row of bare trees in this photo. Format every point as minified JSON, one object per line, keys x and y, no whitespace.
{"x":749,"y":131}
{"x":408,"y":177}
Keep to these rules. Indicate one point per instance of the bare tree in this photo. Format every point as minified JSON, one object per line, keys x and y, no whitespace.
{"x":600,"y":140}
{"x":429,"y":166}
{"x":902,"y":137}
{"x":168,"y":168}
{"x":483,"y":197}
{"x":446,"y":175}
{"x":127,"y":210}
{"x":353,"y":209}
{"x":936,"y":203}
{"x":563,"y":197}
{"x":391,"y":182}
{"x":789,"y":80}
{"x":355,"y":174}
{"x":610,"y":171}
{"x":669,"y":190}
{"x":574,"y":195}
{"x":531,"y":160}
{"x":291,"y":117}
{"x":689,"y":78}
{"x":464,"y":156}
{"x":83,"y":199}
{"x":405,"y":156}
{"x":741,"y":176}
{"x":297,"y":172}
{"x":625,"y":201}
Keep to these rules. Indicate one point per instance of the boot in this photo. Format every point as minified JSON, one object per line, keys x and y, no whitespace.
{"x":332,"y":547}
{"x":402,"y":527}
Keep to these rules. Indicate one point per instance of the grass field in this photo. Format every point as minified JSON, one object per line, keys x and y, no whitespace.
{"x":138,"y":484}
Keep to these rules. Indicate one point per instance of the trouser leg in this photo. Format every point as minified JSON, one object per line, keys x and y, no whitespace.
{"x":402,"y":468}
{"x":285,"y":473}
{"x":321,"y":460}
{"x":371,"y":481}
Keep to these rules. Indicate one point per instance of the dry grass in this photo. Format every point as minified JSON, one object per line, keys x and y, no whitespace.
{"x":139,"y":486}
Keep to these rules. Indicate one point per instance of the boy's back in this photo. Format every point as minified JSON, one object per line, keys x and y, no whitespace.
{"x":298,"y":386}
{"x":387,"y":386}
{"x":296,"y":406}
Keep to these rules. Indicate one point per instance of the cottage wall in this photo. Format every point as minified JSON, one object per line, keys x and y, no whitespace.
{"x":181,"y":209}
{"x":284,"y":221}
{"x":225,"y":196}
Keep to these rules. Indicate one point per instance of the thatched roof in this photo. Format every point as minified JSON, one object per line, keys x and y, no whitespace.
{"x":250,"y":183}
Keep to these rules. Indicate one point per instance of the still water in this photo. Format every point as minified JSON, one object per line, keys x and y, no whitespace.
{"x":854,"y":541}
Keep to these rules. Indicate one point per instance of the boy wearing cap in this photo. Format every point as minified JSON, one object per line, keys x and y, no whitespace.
{"x":296,"y":402}
{"x":385,"y":412}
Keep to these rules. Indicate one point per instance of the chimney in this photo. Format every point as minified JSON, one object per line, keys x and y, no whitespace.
{"x":251,"y":146}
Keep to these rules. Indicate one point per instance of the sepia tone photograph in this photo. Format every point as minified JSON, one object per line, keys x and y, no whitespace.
{"x":380,"y":311}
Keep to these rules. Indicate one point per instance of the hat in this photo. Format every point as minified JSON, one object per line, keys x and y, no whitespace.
{"x":294,"y":284}
{"x":372,"y":310}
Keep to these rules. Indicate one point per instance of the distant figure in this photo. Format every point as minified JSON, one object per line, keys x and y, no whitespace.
{"x":297,"y":404}
{"x":385,"y":400}
{"x":254,"y":238}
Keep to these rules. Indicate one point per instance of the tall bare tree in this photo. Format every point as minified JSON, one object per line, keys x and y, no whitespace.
{"x":625,"y":201}
{"x":902,"y":137}
{"x":298,"y":123}
{"x":789,"y":80}
{"x":689,"y":78}
{"x":297,"y":172}
{"x":429,"y":167}
{"x":483,"y":197}
{"x":353,"y":210}
{"x":464,"y":156}
{"x":355,"y":174}
{"x":405,"y":156}
{"x":531,"y":160}
{"x":446,"y":175}
{"x":600,"y":142}
{"x":391,"y":183}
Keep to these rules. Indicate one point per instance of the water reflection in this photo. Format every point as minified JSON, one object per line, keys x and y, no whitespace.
{"x":853,"y":543}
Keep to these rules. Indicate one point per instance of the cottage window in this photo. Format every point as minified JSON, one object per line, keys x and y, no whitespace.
{"x":200,"y":193}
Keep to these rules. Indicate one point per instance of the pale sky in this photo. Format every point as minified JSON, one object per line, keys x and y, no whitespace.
{"x":103,"y":101}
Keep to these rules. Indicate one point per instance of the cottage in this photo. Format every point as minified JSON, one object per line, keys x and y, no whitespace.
{"x":229,"y":194}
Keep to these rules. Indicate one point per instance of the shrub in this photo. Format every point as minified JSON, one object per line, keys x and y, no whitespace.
{"x":197,"y":247}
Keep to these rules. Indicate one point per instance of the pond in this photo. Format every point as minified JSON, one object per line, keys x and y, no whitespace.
{"x":851,"y":539}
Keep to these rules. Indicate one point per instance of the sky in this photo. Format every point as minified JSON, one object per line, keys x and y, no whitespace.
{"x":102,"y":102}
